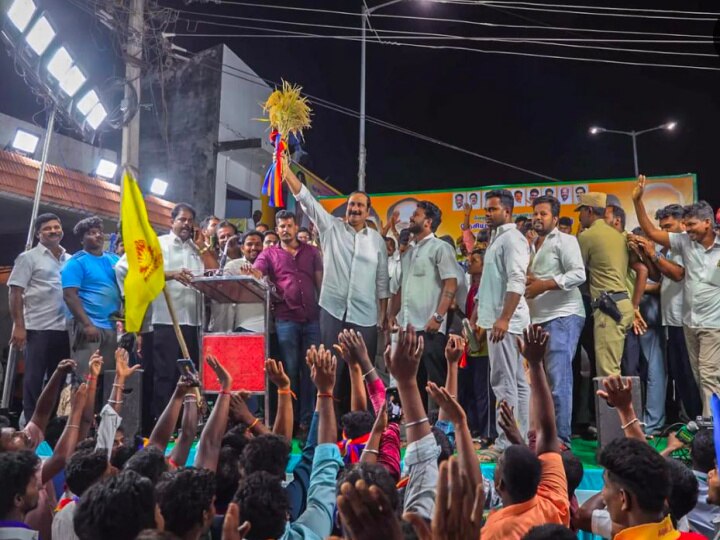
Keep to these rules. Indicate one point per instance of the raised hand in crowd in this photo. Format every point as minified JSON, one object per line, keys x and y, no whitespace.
{"x":67,"y":442}
{"x":208,"y":449}
{"x":458,"y":508}
{"x":371,"y":451}
{"x":323,"y":373}
{"x":285,"y":416}
{"x":123,"y":370}
{"x":88,"y":416}
{"x":404,"y":361}
{"x":165,"y":425}
{"x":232,"y":529}
{"x":543,"y":409}
{"x":366,"y":513}
{"x":452,"y":410}
{"x":508,"y":423}
{"x":358,"y":395}
{"x":618,"y":393}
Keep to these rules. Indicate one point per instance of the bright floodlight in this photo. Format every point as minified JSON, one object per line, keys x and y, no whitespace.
{"x":25,"y":141}
{"x":158,"y":187}
{"x":96,"y":116}
{"x":72,"y":81}
{"x":60,"y":63}
{"x":670,"y":125}
{"x":106,"y":169}
{"x":40,"y":35}
{"x":20,"y":13}
{"x":594,"y":130}
{"x":87,"y":102}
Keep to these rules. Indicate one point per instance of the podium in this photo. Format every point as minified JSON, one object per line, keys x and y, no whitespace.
{"x":243,"y":354}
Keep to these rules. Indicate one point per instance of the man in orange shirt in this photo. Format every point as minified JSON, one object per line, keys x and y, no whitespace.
{"x":637,"y":486}
{"x":533,"y":486}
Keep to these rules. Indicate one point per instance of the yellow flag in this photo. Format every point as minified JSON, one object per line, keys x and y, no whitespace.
{"x":146,"y":276}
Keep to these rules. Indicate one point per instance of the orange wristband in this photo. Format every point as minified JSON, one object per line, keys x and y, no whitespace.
{"x":287,"y":392}
{"x":254,"y":423}
{"x":325,"y":394}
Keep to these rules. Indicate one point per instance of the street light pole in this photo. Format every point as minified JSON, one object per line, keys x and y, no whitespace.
{"x":633,"y":134}
{"x":362,"y":153}
{"x":669,"y":126}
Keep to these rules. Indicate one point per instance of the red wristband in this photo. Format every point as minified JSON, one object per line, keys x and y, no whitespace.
{"x":224,"y":393}
{"x":325,"y":395}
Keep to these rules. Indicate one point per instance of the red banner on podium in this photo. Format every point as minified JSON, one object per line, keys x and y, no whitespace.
{"x":243,"y":355}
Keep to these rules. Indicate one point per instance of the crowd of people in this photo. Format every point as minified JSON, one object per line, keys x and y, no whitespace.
{"x":404,"y":361}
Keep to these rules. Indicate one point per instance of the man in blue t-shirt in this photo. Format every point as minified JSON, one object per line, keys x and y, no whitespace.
{"x":92,"y":295}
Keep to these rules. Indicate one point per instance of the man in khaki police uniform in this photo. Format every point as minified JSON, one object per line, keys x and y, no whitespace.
{"x":605,"y":254}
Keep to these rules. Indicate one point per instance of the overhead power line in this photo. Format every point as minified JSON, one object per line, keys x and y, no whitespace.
{"x":253,"y":78}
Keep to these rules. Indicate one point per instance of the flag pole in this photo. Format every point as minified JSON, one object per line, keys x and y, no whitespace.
{"x":176,"y":325}
{"x":181,"y":339}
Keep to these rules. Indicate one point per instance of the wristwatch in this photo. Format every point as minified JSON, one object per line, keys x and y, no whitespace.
{"x":438,"y":318}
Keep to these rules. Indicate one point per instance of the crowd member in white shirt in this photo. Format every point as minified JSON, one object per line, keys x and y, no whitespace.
{"x":37,"y":308}
{"x":556,"y":271}
{"x":355,"y":275}
{"x":699,"y":248}
{"x":182,"y":263}
{"x":428,"y":284}
{"x":503,"y":312}
{"x":669,"y":264}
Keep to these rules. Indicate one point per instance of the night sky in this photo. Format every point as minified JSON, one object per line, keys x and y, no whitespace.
{"x":531,"y":112}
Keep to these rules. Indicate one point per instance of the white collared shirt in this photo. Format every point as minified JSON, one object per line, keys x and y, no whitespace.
{"x":424,"y":266}
{"x":702,"y":281}
{"x":559,"y":258}
{"x":672,"y":295}
{"x":37,"y":271}
{"x":355,"y":263}
{"x":394,"y":273}
{"x":505,"y":270}
{"x":186,"y":300}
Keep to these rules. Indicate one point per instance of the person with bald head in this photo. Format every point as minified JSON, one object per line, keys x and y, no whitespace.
{"x":355,"y":278}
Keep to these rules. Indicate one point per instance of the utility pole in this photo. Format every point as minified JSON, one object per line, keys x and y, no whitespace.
{"x":130,"y":153}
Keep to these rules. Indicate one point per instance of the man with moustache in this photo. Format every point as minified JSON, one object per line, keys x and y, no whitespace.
{"x":92,"y":296}
{"x":503,"y":312}
{"x":36,"y":307}
{"x":565,"y":195}
{"x":699,"y":247}
{"x":296,"y":269}
{"x":556,"y":271}
{"x":429,"y":279}
{"x":355,"y":275}
{"x":182,"y":261}
{"x":246,"y":317}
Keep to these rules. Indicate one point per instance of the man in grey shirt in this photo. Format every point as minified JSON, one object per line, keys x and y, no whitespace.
{"x":37,"y":308}
{"x":429,"y":279}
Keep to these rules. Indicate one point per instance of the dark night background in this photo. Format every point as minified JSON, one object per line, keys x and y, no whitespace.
{"x":532,"y":112}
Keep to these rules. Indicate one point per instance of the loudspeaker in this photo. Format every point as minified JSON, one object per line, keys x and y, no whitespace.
{"x":131,"y":411}
{"x":606,"y":417}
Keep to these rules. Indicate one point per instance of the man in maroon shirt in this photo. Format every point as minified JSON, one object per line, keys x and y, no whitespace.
{"x":296,"y":269}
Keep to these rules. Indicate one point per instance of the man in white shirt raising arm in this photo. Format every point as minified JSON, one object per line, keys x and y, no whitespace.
{"x":355,"y":278}
{"x":699,"y":248}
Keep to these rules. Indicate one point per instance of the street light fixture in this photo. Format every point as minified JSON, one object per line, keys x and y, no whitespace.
{"x":40,"y":35}
{"x":25,"y":142}
{"x":20,"y":13}
{"x":669,"y":126}
{"x":158,"y":187}
{"x":106,"y":169}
